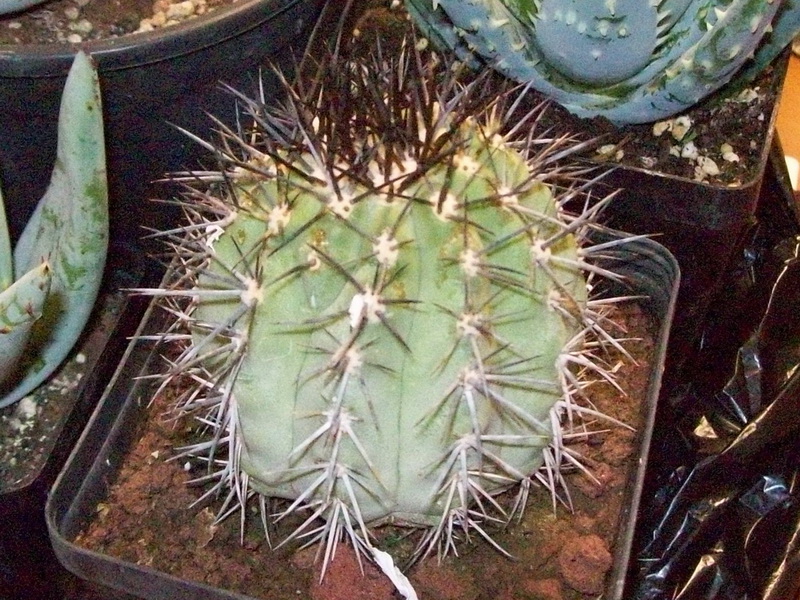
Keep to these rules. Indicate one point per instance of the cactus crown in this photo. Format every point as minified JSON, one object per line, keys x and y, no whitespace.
{"x":382,"y":304}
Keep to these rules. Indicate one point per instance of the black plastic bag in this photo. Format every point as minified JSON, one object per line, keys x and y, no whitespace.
{"x":723,"y":521}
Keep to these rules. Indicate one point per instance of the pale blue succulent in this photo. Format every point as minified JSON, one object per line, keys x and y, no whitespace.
{"x":49,"y":283}
{"x":10,"y":6}
{"x":631,"y":61}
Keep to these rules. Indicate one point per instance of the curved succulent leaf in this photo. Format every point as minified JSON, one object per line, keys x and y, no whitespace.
{"x":785,"y":28}
{"x":69,"y":229}
{"x":21,"y":305}
{"x":6,"y":261}
{"x":626,"y":60}
{"x":9,"y":6}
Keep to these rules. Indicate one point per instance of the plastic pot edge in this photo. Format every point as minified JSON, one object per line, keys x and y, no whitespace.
{"x":140,"y":49}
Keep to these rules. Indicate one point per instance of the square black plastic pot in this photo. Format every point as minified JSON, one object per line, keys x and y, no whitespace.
{"x":150,"y":82}
{"x":28,"y":567}
{"x":703,"y":224}
{"x":650,"y":272}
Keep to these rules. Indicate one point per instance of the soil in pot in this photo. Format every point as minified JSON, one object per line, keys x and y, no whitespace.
{"x":559,"y":555}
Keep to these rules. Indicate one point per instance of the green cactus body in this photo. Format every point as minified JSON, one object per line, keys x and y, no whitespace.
{"x":68,"y":232}
{"x":627,"y":60}
{"x":375,"y":352}
{"x":385,"y":300}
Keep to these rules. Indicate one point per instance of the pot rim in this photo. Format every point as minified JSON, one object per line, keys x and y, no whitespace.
{"x":134,"y":50}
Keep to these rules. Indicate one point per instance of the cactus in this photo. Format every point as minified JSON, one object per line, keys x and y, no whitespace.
{"x":381,"y":305}
{"x":59,"y":257}
{"x":628,"y":60}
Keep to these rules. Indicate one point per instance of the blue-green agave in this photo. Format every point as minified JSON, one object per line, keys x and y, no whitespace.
{"x":49,"y":283}
{"x":382,"y":307}
{"x":632,"y":61}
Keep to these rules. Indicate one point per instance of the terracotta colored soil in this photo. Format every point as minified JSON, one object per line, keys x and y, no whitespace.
{"x":557,"y":556}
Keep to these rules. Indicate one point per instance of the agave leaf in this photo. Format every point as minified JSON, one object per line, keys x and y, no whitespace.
{"x":69,"y":229}
{"x":627,"y":62}
{"x":20,"y":306}
{"x":784,"y":28}
{"x":435,"y":27}
{"x":6,"y":265}
{"x":10,"y":6}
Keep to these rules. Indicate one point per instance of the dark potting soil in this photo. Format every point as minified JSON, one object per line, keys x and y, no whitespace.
{"x":720,"y":142}
{"x":559,"y":555}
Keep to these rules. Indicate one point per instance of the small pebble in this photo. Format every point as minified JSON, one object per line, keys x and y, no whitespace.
{"x":74,"y":38}
{"x":180,"y":10}
{"x":82,"y":26}
{"x":609,"y":152}
{"x":26,"y":408}
{"x":648,"y":161}
{"x":661,"y":127}
{"x":158,"y":19}
{"x":708,"y":166}
{"x":747,"y":95}
{"x":728,"y":154}
{"x":72,"y":13}
{"x":689,"y":150}
{"x":680,"y":127}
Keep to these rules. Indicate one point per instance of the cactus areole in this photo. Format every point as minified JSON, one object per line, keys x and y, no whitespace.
{"x":632,"y":61}
{"x":382,"y":304}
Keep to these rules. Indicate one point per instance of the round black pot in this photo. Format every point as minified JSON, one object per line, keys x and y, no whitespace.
{"x":149,"y":81}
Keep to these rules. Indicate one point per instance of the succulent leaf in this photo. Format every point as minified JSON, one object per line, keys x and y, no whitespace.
{"x":21,"y":305}
{"x":6,"y":261}
{"x":11,"y":6}
{"x":619,"y":59}
{"x":68,"y":229}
